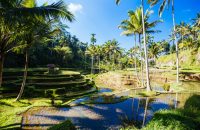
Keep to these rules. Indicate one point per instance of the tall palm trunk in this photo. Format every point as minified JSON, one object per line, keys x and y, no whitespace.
{"x":136,"y":61}
{"x":145,"y":49}
{"x":114,"y":61}
{"x":85,"y":61}
{"x":177,"y":56}
{"x":1,"y":67}
{"x":141,"y":64}
{"x":92,"y":64}
{"x":25,"y":76}
{"x":154,"y":58}
{"x":99,"y":62}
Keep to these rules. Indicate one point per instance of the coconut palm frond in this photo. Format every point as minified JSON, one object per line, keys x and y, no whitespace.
{"x":162,"y":7}
{"x":117,"y":2}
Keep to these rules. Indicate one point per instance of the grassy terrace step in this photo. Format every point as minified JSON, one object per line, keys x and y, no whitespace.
{"x":42,"y":76}
{"x":66,"y":91}
{"x":20,"y":73}
{"x":50,"y":79}
{"x":60,"y":83}
{"x":11,"y":77}
{"x":68,"y":84}
{"x":9,"y":89}
{"x":12,"y":81}
{"x":59,"y":75}
{"x":78,"y":93}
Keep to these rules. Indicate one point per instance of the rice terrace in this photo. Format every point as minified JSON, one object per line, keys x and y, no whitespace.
{"x":99,"y":65}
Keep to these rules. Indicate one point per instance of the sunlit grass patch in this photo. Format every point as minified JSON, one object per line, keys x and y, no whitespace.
{"x":147,"y":93}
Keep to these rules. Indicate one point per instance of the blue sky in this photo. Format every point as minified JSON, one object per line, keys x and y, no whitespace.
{"x":102,"y":17}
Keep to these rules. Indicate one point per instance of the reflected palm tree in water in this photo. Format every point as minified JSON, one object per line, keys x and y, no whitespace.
{"x":145,"y":111}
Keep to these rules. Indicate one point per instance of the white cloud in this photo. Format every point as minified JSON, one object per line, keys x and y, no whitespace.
{"x":75,"y":8}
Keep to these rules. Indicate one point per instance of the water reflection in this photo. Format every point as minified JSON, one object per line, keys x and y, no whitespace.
{"x":98,"y":116}
{"x":104,"y":112}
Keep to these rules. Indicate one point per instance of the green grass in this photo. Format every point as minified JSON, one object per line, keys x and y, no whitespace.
{"x":173,"y":120}
{"x":147,"y":94}
{"x":10,"y":111}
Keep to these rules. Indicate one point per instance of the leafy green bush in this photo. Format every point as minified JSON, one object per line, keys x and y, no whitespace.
{"x":49,"y":93}
{"x":193,"y":102}
{"x":173,"y":120}
{"x":166,"y":87}
{"x":67,"y":125}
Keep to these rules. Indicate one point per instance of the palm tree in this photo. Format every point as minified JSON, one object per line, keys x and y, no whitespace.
{"x":91,"y":50}
{"x":129,"y":29}
{"x":98,"y":49}
{"x":13,"y":12}
{"x":112,"y":49}
{"x":108,"y":50}
{"x":161,"y":9}
{"x":154,"y":50}
{"x":36,"y":30}
{"x":115,"y":49}
{"x":93,"y":39}
{"x":134,"y":25}
{"x":182,"y":30}
{"x":195,"y":31}
{"x":8,"y":38}
{"x":16,"y":10}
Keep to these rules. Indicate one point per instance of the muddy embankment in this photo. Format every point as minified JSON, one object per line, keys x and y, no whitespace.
{"x":122,"y":81}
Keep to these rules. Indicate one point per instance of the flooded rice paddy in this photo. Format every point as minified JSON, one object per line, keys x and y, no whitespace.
{"x":103,"y":111}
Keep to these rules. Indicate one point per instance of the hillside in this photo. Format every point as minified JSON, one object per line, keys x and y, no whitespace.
{"x":188,"y":58}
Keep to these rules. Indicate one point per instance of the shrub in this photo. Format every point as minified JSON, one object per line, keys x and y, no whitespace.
{"x":30,"y":91}
{"x":49,"y":93}
{"x":172,"y":120}
{"x":193,"y":102}
{"x":166,"y":87}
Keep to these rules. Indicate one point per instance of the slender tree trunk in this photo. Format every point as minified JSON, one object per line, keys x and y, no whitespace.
{"x":24,"y":78}
{"x":154,"y":60}
{"x":141,"y":66}
{"x":99,"y":62}
{"x":136,"y":61}
{"x":1,"y":67}
{"x":92,"y":64}
{"x":114,"y":61}
{"x":85,"y":60}
{"x":145,"y":49}
{"x":177,"y":56}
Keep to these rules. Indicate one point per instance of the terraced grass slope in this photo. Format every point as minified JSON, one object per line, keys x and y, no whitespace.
{"x":188,"y":59}
{"x":40,"y":83}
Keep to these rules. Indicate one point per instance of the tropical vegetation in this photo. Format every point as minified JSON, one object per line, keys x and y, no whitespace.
{"x":43,"y":65}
